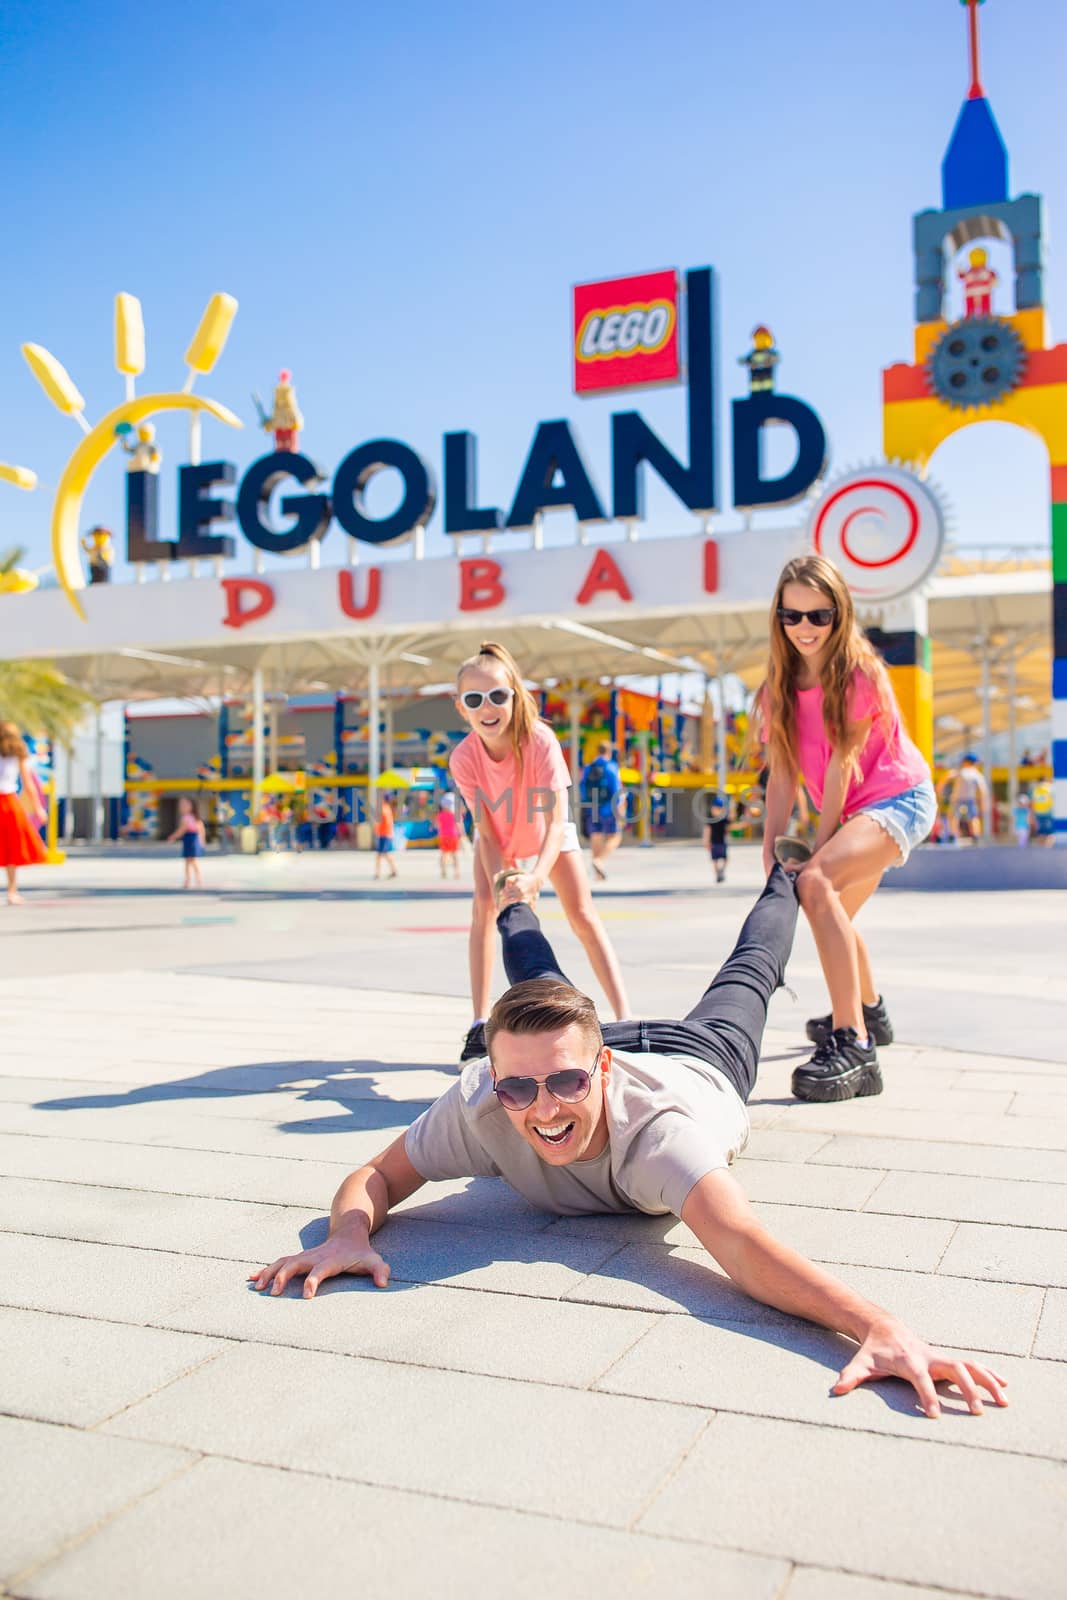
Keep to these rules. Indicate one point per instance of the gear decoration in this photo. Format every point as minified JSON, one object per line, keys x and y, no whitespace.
{"x":976,"y":362}
{"x":882,"y":527}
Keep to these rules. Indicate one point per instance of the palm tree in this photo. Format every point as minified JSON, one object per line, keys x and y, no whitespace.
{"x":39,"y":699}
{"x":33,"y":694}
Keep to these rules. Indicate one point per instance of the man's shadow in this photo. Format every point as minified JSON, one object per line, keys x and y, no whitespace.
{"x":354,"y":1085}
{"x":424,"y":1246}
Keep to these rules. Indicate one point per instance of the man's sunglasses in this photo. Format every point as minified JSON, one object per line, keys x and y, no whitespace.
{"x":569,"y":1087}
{"x":821,"y":617}
{"x":473,"y":698}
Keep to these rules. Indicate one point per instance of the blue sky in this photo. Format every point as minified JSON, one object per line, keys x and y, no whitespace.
{"x":401,"y":196}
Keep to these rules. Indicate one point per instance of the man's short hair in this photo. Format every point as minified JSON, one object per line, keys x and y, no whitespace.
{"x":604,"y":748}
{"x":543,"y":1005}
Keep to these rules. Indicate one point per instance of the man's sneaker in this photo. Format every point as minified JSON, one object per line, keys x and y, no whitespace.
{"x":473,"y":1044}
{"x":840,"y":1069}
{"x":876,"y":1017}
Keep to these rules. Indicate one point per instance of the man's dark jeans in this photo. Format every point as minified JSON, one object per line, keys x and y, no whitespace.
{"x":726,"y":1025}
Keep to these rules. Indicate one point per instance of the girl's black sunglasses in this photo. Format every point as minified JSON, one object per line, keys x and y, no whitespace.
{"x":821,"y":617}
{"x":472,"y":698}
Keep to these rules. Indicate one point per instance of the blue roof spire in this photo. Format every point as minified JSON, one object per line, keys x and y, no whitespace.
{"x":974,"y":171}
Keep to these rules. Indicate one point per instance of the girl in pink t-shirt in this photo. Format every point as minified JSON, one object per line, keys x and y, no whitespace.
{"x":511,"y":773}
{"x":826,"y":713}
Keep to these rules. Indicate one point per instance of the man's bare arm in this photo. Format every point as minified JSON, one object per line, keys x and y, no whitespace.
{"x":721,"y":1217}
{"x":359,"y":1208}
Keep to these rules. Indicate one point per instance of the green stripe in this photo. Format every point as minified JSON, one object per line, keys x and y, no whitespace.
{"x":1059,"y":543}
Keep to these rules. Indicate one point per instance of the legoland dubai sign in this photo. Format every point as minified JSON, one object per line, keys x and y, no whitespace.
{"x":627,"y":334}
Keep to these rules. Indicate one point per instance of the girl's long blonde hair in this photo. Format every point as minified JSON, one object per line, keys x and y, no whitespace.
{"x":774,"y":711}
{"x":524,"y":713}
{"x":11,"y":741}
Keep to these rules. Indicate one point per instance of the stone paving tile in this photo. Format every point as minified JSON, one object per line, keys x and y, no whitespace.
{"x":1041,"y":1106}
{"x":336,"y":1137}
{"x":948,"y":1524}
{"x":1005,"y":1200}
{"x":815,"y":1583}
{"x":804,"y":1184}
{"x":96,"y":1280}
{"x":962,"y":1313}
{"x":60,"y":1482}
{"x":1051,"y":1338}
{"x":649,"y":1277}
{"x":878,"y":1118}
{"x":475,"y":1202}
{"x":77,"y":1371}
{"x":1022,"y":1078}
{"x":933,"y":1155}
{"x":496,"y":1335}
{"x":845,"y":1237}
{"x":207,"y":1534}
{"x":445,"y":1433}
{"x":270,"y":1179}
{"x":1008,"y":1255}
{"x":774,"y":1144}
{"x":229,"y":1229}
{"x":788,"y":1373}
{"x":539,"y":1264}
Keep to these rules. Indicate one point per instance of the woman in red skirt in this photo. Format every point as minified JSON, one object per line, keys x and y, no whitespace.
{"x":20,"y":844}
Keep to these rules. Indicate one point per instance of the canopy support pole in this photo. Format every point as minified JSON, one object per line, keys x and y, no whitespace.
{"x":258,"y":752}
{"x":987,"y":734}
{"x":374,"y":740}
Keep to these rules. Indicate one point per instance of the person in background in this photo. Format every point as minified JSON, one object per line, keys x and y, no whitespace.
{"x":20,"y":843}
{"x":969,"y":799}
{"x":190,"y":831}
{"x":1022,"y":820}
{"x":514,"y":780}
{"x":448,"y":835}
{"x":715,"y":830}
{"x":385,"y":837}
{"x":601,"y":787}
{"x":1041,"y":804}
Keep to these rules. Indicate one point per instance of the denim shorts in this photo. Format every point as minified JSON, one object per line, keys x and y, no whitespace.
{"x":907,"y":817}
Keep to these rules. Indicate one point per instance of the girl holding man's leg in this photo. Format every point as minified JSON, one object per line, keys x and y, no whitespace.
{"x":513,"y":776}
{"x":826,"y":709}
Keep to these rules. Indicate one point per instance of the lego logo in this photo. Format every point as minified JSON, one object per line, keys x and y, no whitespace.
{"x":629,"y":330}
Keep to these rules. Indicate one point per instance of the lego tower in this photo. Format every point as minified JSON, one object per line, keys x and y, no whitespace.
{"x":990,"y":365}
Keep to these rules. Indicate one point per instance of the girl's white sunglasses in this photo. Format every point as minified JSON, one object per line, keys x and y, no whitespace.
{"x":473,"y":698}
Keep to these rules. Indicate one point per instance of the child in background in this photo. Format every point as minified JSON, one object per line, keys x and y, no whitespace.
{"x":715,"y":836}
{"x":448,"y":835}
{"x":1021,"y":819}
{"x":385,"y":837}
{"x":190,"y":831}
{"x":512,"y":775}
{"x":20,"y":844}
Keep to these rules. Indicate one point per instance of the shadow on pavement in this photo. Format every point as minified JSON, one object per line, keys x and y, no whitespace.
{"x":348,"y":1083}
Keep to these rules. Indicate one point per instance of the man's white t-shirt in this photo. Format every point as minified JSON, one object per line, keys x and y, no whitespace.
{"x":671,"y":1120}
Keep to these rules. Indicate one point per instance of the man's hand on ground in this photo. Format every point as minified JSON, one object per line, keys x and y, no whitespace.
{"x":891,"y":1350}
{"x":327,"y":1260}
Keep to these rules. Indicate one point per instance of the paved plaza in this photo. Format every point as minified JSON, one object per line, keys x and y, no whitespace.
{"x":535,"y":1406}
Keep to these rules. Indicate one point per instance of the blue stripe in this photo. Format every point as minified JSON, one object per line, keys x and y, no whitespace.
{"x":1059,"y":824}
{"x":1059,"y":680}
{"x":1059,"y":758}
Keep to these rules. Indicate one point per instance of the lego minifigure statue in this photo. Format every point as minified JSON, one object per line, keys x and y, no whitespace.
{"x":100,"y":548}
{"x":145,"y":455}
{"x":978,"y":279}
{"x":761,"y":361}
{"x":285,"y":420}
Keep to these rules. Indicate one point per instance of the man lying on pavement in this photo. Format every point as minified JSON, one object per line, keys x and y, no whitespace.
{"x":635,"y":1117}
